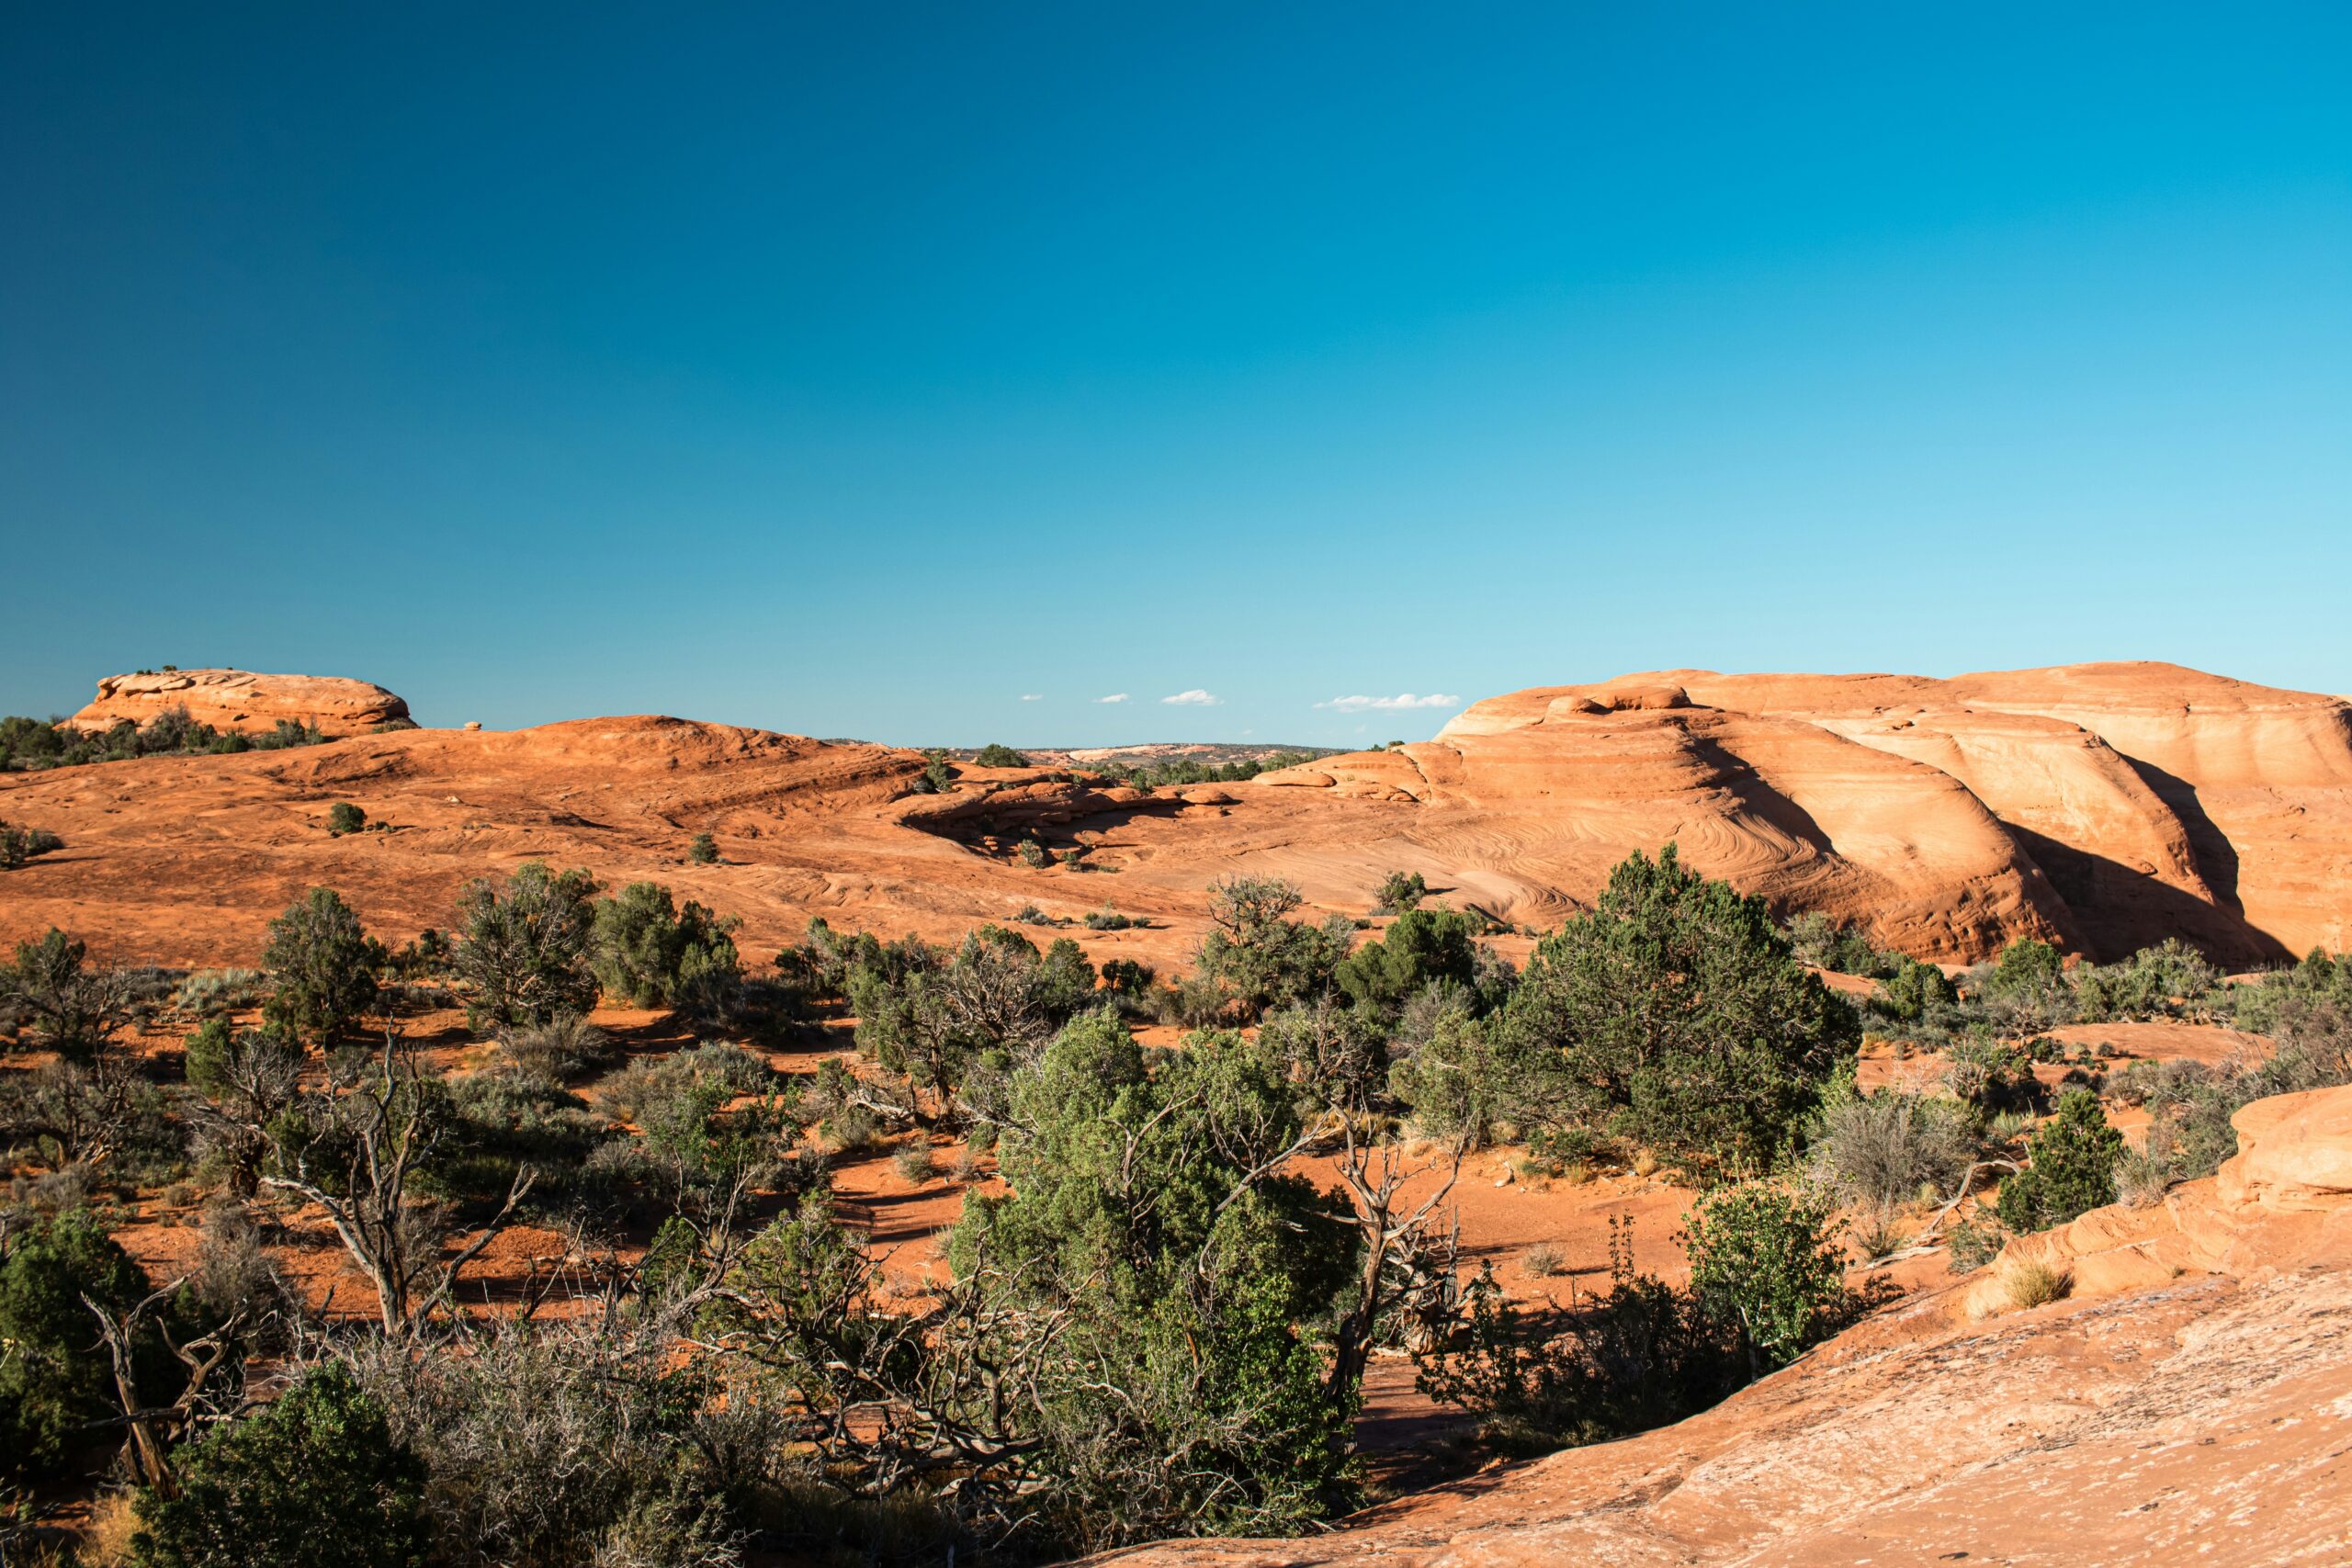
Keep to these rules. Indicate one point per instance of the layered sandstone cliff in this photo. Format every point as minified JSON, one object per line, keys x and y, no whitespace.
{"x":242,"y":700}
{"x":2109,"y":806}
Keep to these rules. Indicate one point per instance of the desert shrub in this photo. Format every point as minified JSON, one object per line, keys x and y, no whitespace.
{"x":1106,"y":918}
{"x":936,"y":774}
{"x":1544,"y":1260}
{"x":20,"y":845}
{"x":931,"y":1015}
{"x":703,"y":850}
{"x":313,"y":1478}
{"x":2171,"y":979}
{"x":208,"y":992}
{"x":1336,"y":1055}
{"x":1674,"y":1015}
{"x":345,"y":817}
{"x":1990,"y":1074}
{"x":1765,"y":1258}
{"x":1825,"y":944}
{"x":501,"y":1121}
{"x":1259,"y":958}
{"x":2142,"y":1177}
{"x":525,"y":948}
{"x":654,"y":952}
{"x":2318,"y":979}
{"x":712,"y":1121}
{"x":1973,"y":1243}
{"x":55,"y":1378}
{"x":1878,"y":1150}
{"x":1145,"y":1217}
{"x":1460,"y":1084}
{"x":2026,"y":987}
{"x":1126,"y":981}
{"x":1642,"y":1355}
{"x":75,"y":1008}
{"x":1399,"y":891}
{"x":2071,"y":1167}
{"x":322,"y":966}
{"x":1422,"y":947}
{"x":558,"y":1050}
{"x":1913,"y":992}
{"x":914,"y":1161}
{"x":1030,"y":915}
{"x":995,"y":756}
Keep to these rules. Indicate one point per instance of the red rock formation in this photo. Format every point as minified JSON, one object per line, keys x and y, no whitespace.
{"x":241,"y":700}
{"x":2111,"y":805}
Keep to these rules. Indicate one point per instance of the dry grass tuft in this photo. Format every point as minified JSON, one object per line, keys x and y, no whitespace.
{"x":2032,"y":1284}
{"x":1542,"y":1262}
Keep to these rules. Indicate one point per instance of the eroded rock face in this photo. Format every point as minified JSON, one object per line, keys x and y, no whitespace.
{"x":2107,"y":805}
{"x":241,"y":700}
{"x":2192,"y":1400}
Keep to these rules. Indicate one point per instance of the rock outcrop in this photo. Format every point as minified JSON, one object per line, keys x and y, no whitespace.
{"x":2108,"y":805}
{"x":241,"y":700}
{"x":2192,"y":1400}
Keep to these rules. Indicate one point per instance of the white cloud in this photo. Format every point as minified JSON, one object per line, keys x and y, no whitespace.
{"x":1195,"y":698}
{"x":1032,"y":697}
{"x":1114,"y":698}
{"x":1402,"y":700}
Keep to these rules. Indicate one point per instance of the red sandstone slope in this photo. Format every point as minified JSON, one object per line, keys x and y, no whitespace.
{"x":241,"y":700}
{"x":2110,"y":805}
{"x":2192,"y":1402}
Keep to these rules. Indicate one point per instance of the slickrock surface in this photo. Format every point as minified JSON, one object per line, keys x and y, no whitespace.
{"x":2109,"y":806}
{"x":241,"y":700}
{"x":2192,"y":1402}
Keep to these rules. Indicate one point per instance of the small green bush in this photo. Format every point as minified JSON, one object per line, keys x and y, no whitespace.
{"x":1767,"y":1259}
{"x":2071,"y":1167}
{"x":322,"y":966}
{"x":995,"y":756}
{"x":313,"y":1480}
{"x":1400,"y":891}
{"x":345,"y":817}
{"x":704,"y":851}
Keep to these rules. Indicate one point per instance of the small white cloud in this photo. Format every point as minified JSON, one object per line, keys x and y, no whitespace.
{"x":1114,"y":698}
{"x":1032,"y":697}
{"x":1402,"y":700}
{"x":1195,"y":698}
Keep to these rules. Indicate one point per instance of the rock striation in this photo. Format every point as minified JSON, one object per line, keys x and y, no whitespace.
{"x":242,"y":700}
{"x":2104,"y":805}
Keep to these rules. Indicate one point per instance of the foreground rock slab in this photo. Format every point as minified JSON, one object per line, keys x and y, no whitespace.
{"x":2198,"y":1413}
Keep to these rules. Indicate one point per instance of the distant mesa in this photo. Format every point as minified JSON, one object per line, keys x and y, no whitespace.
{"x":242,"y":700}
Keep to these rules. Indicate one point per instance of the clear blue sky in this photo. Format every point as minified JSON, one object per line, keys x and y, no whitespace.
{"x":864,"y":369}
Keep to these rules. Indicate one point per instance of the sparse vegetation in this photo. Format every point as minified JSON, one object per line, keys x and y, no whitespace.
{"x":703,"y":850}
{"x":20,"y":846}
{"x":345,"y":817}
{"x":1399,"y":891}
{"x":995,"y":756}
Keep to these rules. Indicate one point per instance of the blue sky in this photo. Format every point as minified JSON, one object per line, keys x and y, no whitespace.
{"x":867,"y":371}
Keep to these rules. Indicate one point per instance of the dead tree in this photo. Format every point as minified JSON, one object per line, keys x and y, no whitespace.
{"x":155,"y":1428}
{"x":1403,"y":1263}
{"x":390,"y":1129}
